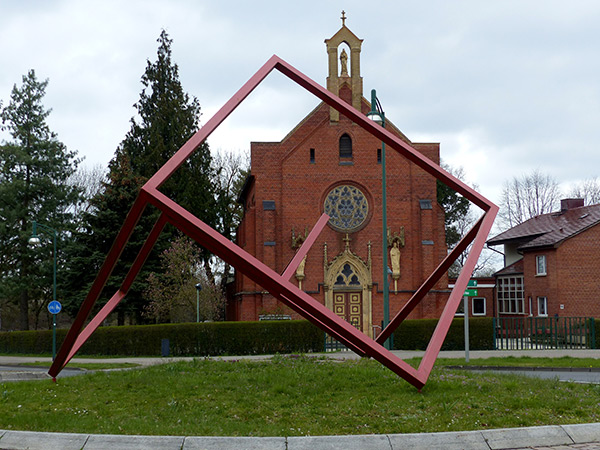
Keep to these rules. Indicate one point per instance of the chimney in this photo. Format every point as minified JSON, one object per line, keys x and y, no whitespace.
{"x":570,"y":203}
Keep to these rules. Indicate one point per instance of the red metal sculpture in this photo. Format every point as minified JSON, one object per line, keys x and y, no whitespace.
{"x":279,"y":285}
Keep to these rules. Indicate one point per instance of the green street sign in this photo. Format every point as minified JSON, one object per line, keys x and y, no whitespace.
{"x":472,"y":283}
{"x":471,"y":293}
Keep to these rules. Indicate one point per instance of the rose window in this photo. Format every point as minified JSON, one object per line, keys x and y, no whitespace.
{"x":347,"y":208}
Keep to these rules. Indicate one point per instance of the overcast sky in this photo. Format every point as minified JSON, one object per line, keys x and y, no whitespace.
{"x":505,"y":86}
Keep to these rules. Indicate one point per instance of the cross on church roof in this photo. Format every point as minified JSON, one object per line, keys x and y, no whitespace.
{"x":343,"y":18}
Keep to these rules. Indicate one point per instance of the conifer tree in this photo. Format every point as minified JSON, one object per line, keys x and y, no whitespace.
{"x":166,"y":118}
{"x":455,"y":206}
{"x":34,"y":171}
{"x":92,"y":240}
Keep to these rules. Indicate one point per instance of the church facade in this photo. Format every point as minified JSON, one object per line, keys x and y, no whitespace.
{"x":329,"y":164}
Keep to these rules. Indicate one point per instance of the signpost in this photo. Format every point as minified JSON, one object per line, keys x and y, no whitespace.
{"x":54,"y":307}
{"x":468,"y":293}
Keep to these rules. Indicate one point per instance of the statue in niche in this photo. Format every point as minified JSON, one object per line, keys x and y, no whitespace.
{"x":395,"y":241}
{"x":300,"y":272}
{"x":395,"y":260}
{"x":297,"y":241}
{"x":344,"y":62}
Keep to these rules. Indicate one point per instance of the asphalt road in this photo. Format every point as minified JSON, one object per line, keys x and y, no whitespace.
{"x":22,"y":373}
{"x":566,"y":375}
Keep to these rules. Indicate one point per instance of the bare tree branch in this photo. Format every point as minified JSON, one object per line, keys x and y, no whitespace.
{"x":526,"y":197}
{"x":588,"y":190}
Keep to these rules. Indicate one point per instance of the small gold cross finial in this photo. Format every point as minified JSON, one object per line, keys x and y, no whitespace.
{"x":343,"y":18}
{"x":347,"y":240}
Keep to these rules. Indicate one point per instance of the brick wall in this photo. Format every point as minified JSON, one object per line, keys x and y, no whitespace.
{"x":572,"y":282}
{"x":284,"y":174}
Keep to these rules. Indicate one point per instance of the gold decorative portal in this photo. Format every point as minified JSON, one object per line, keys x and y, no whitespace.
{"x":348,"y":286}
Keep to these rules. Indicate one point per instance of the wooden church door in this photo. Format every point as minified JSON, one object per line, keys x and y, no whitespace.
{"x":348,"y":306}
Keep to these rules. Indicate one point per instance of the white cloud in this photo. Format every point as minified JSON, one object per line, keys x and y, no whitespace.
{"x":506,"y":87}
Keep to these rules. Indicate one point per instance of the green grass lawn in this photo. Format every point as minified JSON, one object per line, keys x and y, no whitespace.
{"x":289,"y":397}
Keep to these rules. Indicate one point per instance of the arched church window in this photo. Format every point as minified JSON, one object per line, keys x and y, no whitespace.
{"x":345,"y":146}
{"x":347,"y":277}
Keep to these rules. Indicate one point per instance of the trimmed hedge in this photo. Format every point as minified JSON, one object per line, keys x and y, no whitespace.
{"x":237,"y":338}
{"x":416,"y":334}
{"x":188,"y":339}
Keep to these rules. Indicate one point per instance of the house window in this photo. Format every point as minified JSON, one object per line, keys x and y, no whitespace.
{"x":425,"y":204}
{"x":460,"y":311}
{"x":540,"y":265}
{"x":542,"y":306}
{"x":511,"y":295}
{"x":479,"y":306}
{"x":345,"y":147}
{"x":378,"y":156}
{"x":312,"y":155}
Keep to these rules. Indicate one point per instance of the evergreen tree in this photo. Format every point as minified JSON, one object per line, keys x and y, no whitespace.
{"x":455,"y":206}
{"x":459,"y":219}
{"x":34,"y":171}
{"x":89,"y":245}
{"x":166,"y":118}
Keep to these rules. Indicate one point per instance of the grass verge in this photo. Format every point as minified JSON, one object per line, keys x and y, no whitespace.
{"x":289,"y":397}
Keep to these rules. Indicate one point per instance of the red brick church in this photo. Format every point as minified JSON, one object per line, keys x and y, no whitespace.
{"x":329,"y":164}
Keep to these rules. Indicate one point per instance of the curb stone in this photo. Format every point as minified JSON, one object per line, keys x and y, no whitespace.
{"x":499,"y":439}
{"x":245,"y":443}
{"x":351,"y":442}
{"x":526,"y":437}
{"x":463,"y":440}
{"x":31,"y":440}
{"x":583,"y":433}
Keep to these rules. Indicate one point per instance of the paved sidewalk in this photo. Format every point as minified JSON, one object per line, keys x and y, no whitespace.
{"x":404,"y":354}
{"x":565,"y":437}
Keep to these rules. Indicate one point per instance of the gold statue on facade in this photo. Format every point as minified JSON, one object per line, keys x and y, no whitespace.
{"x":395,"y":241}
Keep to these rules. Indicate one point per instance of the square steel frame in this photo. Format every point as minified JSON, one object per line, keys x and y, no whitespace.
{"x":279,"y":285}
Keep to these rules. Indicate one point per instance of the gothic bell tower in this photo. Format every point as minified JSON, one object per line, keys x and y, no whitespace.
{"x":338,"y":66}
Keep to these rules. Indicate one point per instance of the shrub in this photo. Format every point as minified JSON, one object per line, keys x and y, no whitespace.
{"x":416,"y":334}
{"x":237,"y":338}
{"x":187,"y":339}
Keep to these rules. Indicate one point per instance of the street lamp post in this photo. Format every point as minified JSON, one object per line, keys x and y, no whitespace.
{"x":34,"y":240}
{"x":198,"y":289}
{"x":377,"y":115}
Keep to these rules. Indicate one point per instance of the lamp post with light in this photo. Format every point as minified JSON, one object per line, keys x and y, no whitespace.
{"x":377,"y":115}
{"x":34,"y":241}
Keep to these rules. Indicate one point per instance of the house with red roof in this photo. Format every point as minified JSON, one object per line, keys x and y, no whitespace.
{"x":552,"y":264}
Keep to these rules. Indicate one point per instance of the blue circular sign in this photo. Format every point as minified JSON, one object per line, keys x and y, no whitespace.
{"x":54,"y":307}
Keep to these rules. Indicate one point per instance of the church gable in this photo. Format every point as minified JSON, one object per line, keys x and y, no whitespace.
{"x":329,"y":164}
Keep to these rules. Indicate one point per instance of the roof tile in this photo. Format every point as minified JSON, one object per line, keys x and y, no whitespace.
{"x":550,"y":229}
